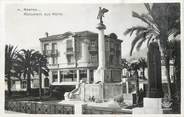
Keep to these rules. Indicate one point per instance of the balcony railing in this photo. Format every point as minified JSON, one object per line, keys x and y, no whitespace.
{"x":69,"y":51}
{"x":50,"y":53}
{"x":92,"y":48}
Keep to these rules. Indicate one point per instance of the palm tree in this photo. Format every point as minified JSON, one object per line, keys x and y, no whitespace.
{"x":10,"y":58}
{"x":27,"y":65}
{"x":143,"y":65}
{"x":125,"y":65}
{"x":41,"y":63}
{"x":161,"y":21}
{"x":175,"y":46}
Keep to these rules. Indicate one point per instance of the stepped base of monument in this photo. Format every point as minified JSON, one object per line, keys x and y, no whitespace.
{"x":150,"y":106}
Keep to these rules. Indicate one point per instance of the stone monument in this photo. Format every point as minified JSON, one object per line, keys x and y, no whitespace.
{"x":99,"y":74}
{"x":154,"y":72}
{"x":152,"y":102}
{"x":102,"y":89}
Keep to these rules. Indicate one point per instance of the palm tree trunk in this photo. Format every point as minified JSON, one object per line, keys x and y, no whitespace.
{"x":9,"y":85}
{"x":137,"y":87}
{"x":28,"y":84}
{"x":40,"y":83}
{"x":163,"y":49}
{"x":167,"y":67}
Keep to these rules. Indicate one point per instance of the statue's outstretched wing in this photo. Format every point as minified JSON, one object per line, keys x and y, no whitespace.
{"x":104,"y":10}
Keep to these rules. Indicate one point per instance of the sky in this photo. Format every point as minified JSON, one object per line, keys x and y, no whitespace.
{"x":24,"y":31}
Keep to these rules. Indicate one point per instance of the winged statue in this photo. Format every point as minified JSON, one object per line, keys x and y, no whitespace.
{"x":101,"y":13}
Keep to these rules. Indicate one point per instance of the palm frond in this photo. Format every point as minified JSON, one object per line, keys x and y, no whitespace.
{"x":133,"y":29}
{"x":148,"y":7}
{"x":136,"y":15}
{"x":135,"y":40}
{"x":149,"y":39}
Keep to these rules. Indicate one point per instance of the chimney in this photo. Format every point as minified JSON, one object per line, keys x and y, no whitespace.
{"x":46,"y":34}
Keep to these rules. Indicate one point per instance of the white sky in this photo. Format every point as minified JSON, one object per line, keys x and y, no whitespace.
{"x":24,"y":31}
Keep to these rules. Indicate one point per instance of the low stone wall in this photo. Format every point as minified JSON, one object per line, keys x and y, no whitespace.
{"x":91,"y":90}
{"x":32,"y":107}
{"x":104,"y":110}
{"x":99,"y":91}
{"x":38,"y":107}
{"x":112,"y":90}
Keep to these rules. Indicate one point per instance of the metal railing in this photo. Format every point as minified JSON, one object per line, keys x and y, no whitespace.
{"x":50,"y":53}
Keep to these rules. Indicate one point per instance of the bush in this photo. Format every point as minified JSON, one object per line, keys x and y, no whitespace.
{"x":119,"y":99}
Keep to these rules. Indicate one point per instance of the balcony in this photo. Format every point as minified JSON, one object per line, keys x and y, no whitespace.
{"x":50,"y":53}
{"x":93,"y":49}
{"x":54,"y":53}
{"x":69,"y":51}
{"x":112,"y":51}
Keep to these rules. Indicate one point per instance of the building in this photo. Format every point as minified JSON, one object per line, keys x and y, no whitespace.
{"x":73,"y":56}
{"x":129,"y":81}
{"x":21,"y":85}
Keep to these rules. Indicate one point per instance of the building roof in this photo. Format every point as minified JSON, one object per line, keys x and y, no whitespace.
{"x":69,"y":33}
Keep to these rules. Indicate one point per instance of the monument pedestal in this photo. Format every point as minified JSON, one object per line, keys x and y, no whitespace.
{"x":102,"y":75}
{"x":151,"y":106}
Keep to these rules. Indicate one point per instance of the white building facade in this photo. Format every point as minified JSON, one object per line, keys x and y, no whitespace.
{"x":73,"y":56}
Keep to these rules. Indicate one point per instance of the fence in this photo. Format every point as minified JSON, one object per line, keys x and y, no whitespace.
{"x":33,"y":107}
{"x":39,"y":107}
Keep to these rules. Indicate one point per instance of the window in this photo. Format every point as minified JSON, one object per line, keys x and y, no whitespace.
{"x":54,"y":46}
{"x":54,"y":49}
{"x":69,"y":46}
{"x":54,"y":60}
{"x":118,"y":50}
{"x":46,"y":82}
{"x":69,"y":59}
{"x":93,"y":59}
{"x":61,"y":76}
{"x":83,"y":75}
{"x":46,"y":48}
{"x":93,"y":44}
{"x":54,"y":76}
{"x":111,"y":59}
{"x":23,"y":84}
{"x":35,"y":83}
{"x":111,"y":45}
{"x":91,"y":76}
{"x":68,"y":76}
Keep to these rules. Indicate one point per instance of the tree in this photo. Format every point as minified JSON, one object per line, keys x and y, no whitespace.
{"x":27,"y":65}
{"x":10,"y":58}
{"x":41,"y":63}
{"x":135,"y":67}
{"x":125,"y":65}
{"x":143,"y":65}
{"x":175,"y":46}
{"x":162,"y":20}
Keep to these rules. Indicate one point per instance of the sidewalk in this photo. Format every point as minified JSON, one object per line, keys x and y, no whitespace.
{"x":12,"y":112}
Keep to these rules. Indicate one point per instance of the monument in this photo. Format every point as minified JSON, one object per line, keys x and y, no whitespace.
{"x":103,"y":87}
{"x":100,"y":73}
{"x":154,"y":72}
{"x":152,"y":102}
